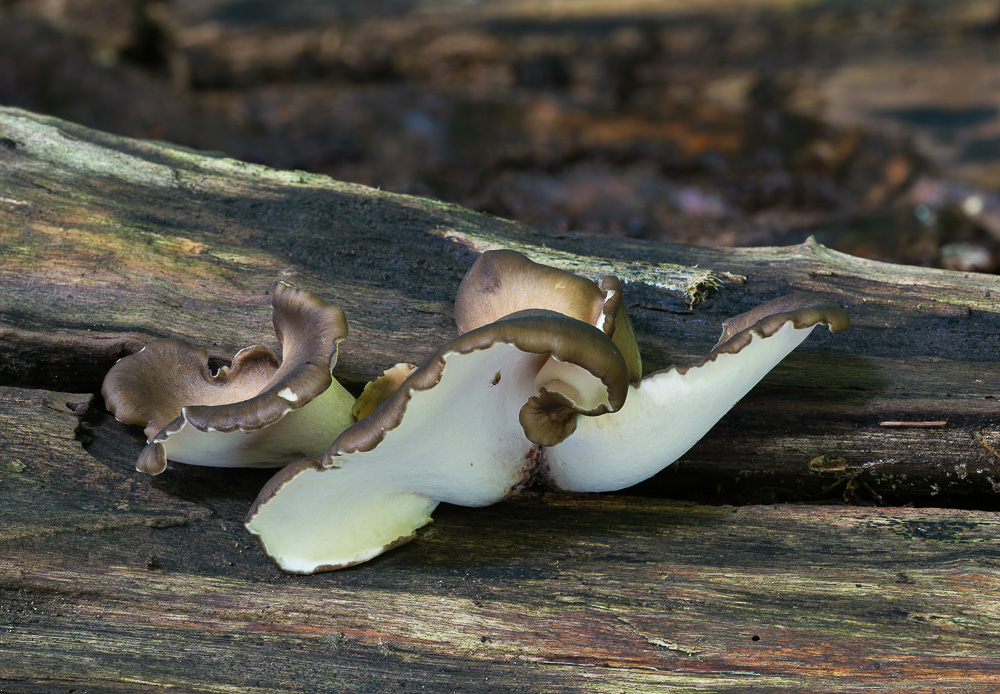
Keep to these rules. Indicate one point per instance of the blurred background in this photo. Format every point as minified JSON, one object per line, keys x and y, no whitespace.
{"x":873,"y":125}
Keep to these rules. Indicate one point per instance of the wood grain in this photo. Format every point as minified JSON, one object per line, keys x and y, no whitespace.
{"x":115,"y":582}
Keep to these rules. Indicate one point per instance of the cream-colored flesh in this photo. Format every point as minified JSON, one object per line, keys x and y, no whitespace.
{"x":583,"y":388}
{"x":459,"y":441}
{"x":303,"y":433}
{"x":304,"y":529}
{"x":662,"y":418}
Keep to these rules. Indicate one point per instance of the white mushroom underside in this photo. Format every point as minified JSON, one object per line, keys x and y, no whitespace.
{"x":334,"y":518}
{"x":583,"y":388}
{"x":666,"y":414}
{"x":459,"y":441}
{"x":303,"y":433}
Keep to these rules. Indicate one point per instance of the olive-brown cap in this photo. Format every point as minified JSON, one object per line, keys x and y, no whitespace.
{"x":801,"y":310}
{"x":503,"y":282}
{"x":169,"y":385}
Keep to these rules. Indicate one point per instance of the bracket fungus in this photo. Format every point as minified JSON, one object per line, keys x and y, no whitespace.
{"x":681,"y":403}
{"x":258,"y":412}
{"x":501,"y":405}
{"x":461,"y":428}
{"x":503,"y":282}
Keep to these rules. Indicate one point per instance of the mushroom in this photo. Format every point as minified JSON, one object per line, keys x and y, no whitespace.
{"x":500,"y":405}
{"x":502,"y":282}
{"x":258,"y":412}
{"x":465,"y":427}
{"x":667,"y":412}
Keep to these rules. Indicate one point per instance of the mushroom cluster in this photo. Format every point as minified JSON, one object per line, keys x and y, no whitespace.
{"x":543,"y":383}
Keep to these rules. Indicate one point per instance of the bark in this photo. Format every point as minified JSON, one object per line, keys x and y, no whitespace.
{"x":111,"y":580}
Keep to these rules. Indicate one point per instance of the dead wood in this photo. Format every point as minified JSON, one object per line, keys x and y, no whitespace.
{"x":122,"y":582}
{"x":108,"y":243}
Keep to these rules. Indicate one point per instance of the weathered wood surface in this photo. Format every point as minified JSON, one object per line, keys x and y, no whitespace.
{"x":115,"y":582}
{"x":108,"y":243}
{"x":111,"y":581}
{"x":623,"y":117}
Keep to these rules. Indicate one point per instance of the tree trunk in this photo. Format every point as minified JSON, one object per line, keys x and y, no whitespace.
{"x":121,"y":582}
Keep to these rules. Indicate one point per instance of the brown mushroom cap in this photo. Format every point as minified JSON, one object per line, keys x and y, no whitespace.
{"x":152,"y":386}
{"x":802,"y":310}
{"x":168,"y":388}
{"x":669,"y":411}
{"x":459,"y":429}
{"x":503,"y":282}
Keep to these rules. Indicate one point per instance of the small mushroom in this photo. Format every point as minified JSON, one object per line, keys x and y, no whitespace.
{"x":503,"y":282}
{"x":464,"y":427}
{"x":667,"y":412}
{"x":258,"y":412}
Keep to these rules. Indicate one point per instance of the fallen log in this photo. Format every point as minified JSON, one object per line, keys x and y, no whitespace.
{"x":109,"y":243}
{"x":112,"y":581}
